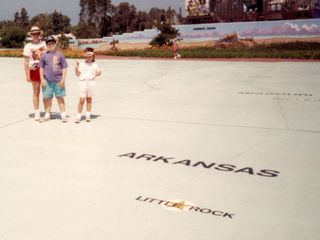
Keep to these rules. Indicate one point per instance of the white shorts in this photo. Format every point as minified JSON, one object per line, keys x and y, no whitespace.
{"x":87,"y":88}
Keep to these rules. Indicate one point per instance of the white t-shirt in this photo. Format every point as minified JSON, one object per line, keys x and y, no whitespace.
{"x":88,"y":70}
{"x":34,"y":52}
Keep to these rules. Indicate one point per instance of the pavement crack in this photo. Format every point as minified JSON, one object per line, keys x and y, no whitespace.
{"x":239,"y":154}
{"x":212,"y":124}
{"x":283,"y":115}
{"x":13,"y":123}
{"x":153,"y":87}
{"x":146,"y":83}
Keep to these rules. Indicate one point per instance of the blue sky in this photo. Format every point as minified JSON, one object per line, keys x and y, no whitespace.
{"x":71,"y":7}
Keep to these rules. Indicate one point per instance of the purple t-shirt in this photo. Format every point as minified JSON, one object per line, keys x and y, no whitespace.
{"x":53,"y":63}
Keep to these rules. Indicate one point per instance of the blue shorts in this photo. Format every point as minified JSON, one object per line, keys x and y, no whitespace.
{"x":53,"y":89}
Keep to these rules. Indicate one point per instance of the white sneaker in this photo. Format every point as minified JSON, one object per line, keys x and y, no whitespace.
{"x":46,"y":117}
{"x":78,"y":119}
{"x":64,"y":119}
{"x":88,"y":118}
{"x":37,"y":116}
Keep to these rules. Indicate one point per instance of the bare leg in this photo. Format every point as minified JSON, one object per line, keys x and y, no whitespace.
{"x":61,"y":104}
{"x":36,"y":94}
{"x":47,"y":106}
{"x":80,"y":108}
{"x":89,"y":104}
{"x":80,"y":105}
{"x":62,"y":108}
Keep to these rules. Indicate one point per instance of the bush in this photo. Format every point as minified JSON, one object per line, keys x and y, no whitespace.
{"x":283,"y":50}
{"x":11,"y":53}
{"x":167,"y":32}
{"x":296,"y":50}
{"x":63,"y":42}
{"x":13,"y":37}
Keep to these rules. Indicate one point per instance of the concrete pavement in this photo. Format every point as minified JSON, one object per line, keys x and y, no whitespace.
{"x":176,"y":150}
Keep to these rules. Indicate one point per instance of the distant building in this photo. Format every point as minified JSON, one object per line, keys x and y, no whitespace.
{"x":250,"y":10}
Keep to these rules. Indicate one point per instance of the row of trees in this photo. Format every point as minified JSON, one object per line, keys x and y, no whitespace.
{"x":97,"y":18}
{"x":14,"y":32}
{"x":102,"y":18}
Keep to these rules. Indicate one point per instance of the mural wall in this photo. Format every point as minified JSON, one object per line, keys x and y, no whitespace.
{"x":258,"y":30}
{"x":208,"y":32}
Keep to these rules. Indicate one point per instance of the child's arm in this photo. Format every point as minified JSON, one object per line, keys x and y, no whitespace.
{"x":98,"y":71}
{"x":63,"y":80}
{"x":41,"y":65}
{"x":77,"y":70}
{"x":43,"y":81}
{"x":64,"y":66}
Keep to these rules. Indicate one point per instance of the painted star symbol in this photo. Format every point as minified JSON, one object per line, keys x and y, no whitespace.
{"x":180,"y":205}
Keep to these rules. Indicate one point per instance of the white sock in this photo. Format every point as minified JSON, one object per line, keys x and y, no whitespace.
{"x":36,"y":111}
{"x":63,"y":114}
{"x":88,"y":114}
{"x":79,"y":115}
{"x":47,"y":115}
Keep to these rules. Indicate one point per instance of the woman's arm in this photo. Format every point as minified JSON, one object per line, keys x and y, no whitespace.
{"x":27,"y":68}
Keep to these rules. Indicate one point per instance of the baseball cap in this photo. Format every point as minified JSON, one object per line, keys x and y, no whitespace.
{"x":50,"y":39}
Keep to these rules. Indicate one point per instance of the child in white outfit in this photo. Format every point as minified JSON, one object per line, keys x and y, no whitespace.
{"x":87,"y":71}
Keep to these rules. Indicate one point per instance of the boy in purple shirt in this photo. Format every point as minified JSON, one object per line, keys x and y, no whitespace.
{"x":53,"y":71}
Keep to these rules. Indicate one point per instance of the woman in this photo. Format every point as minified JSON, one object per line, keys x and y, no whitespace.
{"x":32,"y":53}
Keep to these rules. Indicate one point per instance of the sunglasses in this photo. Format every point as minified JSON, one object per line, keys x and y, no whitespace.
{"x":35,"y":34}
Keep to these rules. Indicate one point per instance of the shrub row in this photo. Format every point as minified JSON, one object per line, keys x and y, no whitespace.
{"x":69,"y":53}
{"x":291,"y":50}
{"x":221,"y":53}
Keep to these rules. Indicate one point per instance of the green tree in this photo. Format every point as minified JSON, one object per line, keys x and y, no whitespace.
{"x":22,"y":19}
{"x":16,"y":18}
{"x":44,"y":22}
{"x":12,"y":36}
{"x":141,"y":21}
{"x":124,"y":17}
{"x":96,"y":14}
{"x":104,"y":11}
{"x":52,"y":24}
{"x":156,"y":16}
{"x":167,"y":32}
{"x":170,"y":15}
{"x":83,"y":30}
{"x":60,"y":23}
